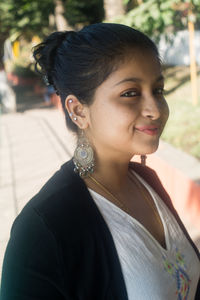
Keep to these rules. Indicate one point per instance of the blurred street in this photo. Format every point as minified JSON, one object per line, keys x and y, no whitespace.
{"x":33,"y":145}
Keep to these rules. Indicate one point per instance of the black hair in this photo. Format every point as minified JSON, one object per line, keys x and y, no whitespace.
{"x":78,"y":62}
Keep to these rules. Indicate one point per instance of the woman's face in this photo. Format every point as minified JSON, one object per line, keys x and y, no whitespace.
{"x":129,"y":110}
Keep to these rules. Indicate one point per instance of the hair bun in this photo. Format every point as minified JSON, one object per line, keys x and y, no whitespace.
{"x":45,"y":53}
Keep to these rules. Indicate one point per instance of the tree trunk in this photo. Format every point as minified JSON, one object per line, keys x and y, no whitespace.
{"x":61,"y":22}
{"x":113,"y":8}
{"x":52,"y":22}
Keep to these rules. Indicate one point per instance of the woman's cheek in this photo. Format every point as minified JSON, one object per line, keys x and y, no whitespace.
{"x":166,"y":111}
{"x":164,"y":108}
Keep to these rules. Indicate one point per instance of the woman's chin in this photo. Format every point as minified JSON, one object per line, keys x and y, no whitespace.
{"x":148,"y":149}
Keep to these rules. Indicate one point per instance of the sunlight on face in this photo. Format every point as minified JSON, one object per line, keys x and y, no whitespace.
{"x":129,"y":111}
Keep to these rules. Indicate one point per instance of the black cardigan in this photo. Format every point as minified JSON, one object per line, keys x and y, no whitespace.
{"x":61,"y":248}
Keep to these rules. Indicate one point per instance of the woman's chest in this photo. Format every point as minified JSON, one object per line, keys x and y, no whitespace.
{"x":154,"y":271}
{"x":151,"y":272}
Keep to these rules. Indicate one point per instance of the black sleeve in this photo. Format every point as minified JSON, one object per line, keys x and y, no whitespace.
{"x":32,"y":267}
{"x":197,"y":296}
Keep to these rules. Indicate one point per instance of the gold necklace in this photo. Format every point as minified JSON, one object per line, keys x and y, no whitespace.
{"x":148,"y":201}
{"x":122,"y":205}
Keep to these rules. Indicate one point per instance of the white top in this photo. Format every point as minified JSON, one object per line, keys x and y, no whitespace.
{"x":150,"y":271}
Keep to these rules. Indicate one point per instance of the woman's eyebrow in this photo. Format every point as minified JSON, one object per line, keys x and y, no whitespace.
{"x":131,"y":79}
{"x":135,"y":79}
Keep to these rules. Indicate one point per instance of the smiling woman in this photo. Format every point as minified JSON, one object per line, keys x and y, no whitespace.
{"x":103,"y":227}
{"x":131,"y":99}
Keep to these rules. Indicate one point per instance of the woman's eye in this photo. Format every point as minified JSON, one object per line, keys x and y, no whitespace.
{"x":130,"y":94}
{"x":159,"y":91}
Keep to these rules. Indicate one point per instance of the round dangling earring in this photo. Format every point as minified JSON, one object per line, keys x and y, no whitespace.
{"x":83,"y":156}
{"x":143,"y":160}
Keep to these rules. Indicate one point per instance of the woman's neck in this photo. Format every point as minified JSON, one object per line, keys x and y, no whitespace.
{"x":111,"y":174}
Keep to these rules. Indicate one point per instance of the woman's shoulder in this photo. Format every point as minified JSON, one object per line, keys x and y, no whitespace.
{"x":60,"y":203}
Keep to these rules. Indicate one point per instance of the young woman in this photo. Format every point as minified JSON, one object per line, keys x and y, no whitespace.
{"x":102,"y":227}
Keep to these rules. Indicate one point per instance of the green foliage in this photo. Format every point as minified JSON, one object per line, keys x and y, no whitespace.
{"x":154,"y":17}
{"x":32,"y":16}
{"x":84,"y":12}
{"x":183,"y":126}
{"x":25,"y":16}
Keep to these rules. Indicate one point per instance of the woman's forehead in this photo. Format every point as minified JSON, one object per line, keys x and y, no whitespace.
{"x":137,"y":67}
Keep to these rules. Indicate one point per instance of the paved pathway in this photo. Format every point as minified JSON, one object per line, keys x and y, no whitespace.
{"x":33,"y":145}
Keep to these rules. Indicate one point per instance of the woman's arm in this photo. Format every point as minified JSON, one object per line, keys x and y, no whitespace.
{"x":32,"y":268}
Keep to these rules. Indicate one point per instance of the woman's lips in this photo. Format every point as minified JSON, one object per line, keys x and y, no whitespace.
{"x":150,"y":130}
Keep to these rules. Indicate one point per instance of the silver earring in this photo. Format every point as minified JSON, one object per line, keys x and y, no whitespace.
{"x":143,"y":160}
{"x":83,"y":157}
{"x":70,"y":100}
{"x":71,"y":115}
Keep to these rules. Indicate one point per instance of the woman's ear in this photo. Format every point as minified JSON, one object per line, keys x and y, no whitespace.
{"x":77,"y":111}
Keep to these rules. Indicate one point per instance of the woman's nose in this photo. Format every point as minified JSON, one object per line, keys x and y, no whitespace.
{"x":151,"y":108}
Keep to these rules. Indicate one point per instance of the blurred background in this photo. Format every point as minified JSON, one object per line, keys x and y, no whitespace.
{"x":34,"y":141}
